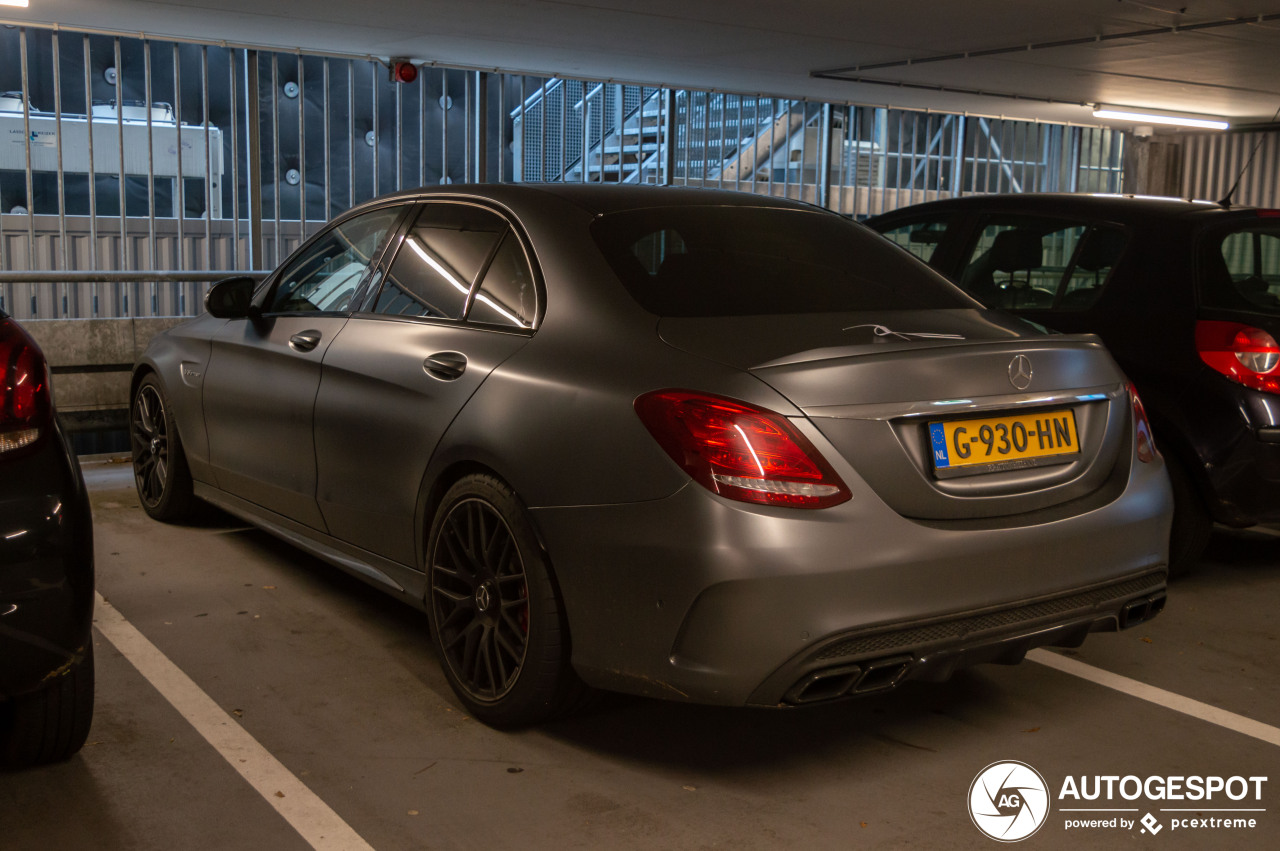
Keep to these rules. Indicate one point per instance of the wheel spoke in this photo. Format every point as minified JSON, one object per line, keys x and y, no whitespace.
{"x":497,"y":670}
{"x":470,"y":652}
{"x":156,"y":483}
{"x":513,"y":623}
{"x":513,"y":651}
{"x":145,"y":419}
{"x":502,"y":562}
{"x":455,"y":597}
{"x":464,"y":567}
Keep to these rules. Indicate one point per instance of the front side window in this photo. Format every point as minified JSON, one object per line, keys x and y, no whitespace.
{"x":327,"y":274}
{"x":1026,"y":263}
{"x":1244,"y":270}
{"x":441,"y":257}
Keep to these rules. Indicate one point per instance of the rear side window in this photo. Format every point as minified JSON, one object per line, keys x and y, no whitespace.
{"x":506,"y":296}
{"x":439,"y":260}
{"x":1026,"y":263}
{"x":1243,"y":270}
{"x":742,"y":261}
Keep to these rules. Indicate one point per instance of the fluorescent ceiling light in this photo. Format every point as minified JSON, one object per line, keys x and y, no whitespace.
{"x":1151,"y":118}
{"x":22,"y":3}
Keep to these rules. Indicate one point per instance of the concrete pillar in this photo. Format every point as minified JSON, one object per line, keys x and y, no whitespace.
{"x":1152,"y":164}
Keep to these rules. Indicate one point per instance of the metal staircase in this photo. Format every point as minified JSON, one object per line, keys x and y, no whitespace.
{"x":568,"y":130}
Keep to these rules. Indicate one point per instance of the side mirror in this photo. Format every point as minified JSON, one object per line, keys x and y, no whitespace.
{"x":232,"y":298}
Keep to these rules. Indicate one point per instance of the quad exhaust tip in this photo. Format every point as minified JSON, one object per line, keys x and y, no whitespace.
{"x":850,"y":680}
{"x":1141,"y":610}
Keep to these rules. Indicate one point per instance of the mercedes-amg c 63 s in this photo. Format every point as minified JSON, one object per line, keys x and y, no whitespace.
{"x":698,"y":445}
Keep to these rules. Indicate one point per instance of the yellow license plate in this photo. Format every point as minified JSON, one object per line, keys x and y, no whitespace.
{"x":1023,"y":440}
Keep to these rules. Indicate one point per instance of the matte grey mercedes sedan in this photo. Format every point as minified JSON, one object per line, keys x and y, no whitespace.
{"x":698,"y":445}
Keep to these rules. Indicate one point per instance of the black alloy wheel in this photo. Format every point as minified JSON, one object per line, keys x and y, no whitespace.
{"x":481,"y":599}
{"x":159,"y":467}
{"x":495,"y":614}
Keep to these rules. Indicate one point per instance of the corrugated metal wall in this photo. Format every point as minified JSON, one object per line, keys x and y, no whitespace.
{"x":1213,"y":162}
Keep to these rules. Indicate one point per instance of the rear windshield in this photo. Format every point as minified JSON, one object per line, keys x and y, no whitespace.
{"x":1242,"y":269}
{"x":743,"y":261}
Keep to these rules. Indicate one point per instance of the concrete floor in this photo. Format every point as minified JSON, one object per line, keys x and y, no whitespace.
{"x":340,"y":685}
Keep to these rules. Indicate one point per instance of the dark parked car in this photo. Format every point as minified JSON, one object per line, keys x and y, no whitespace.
{"x":1185,"y":294}
{"x":46,"y":568}
{"x":698,"y":445}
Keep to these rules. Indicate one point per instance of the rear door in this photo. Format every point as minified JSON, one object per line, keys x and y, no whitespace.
{"x":460,"y":297}
{"x":260,"y":385}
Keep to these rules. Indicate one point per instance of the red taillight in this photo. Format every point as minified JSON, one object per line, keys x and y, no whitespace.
{"x":1245,"y":354}
{"x":1144,"y":444}
{"x":740,"y":451}
{"x":25,"y":406}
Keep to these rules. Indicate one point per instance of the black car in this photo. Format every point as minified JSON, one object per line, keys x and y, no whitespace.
{"x":46,"y":568}
{"x":1185,"y":294}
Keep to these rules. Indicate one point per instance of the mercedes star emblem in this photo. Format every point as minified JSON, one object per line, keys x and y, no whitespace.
{"x":1020,"y":372}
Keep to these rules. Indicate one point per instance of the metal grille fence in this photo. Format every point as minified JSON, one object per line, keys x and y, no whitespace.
{"x":134,"y":154}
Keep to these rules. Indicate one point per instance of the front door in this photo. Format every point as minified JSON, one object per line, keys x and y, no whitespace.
{"x":263,"y":374}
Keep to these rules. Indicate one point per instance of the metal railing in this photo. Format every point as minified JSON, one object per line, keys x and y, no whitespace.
{"x":147,"y":154}
{"x":107,"y":295}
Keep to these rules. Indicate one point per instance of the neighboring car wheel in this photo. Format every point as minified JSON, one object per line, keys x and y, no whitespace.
{"x":1192,"y":524}
{"x":159,"y":465}
{"x":51,"y":724}
{"x":496,"y":616}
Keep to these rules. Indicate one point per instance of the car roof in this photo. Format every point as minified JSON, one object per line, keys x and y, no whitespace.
{"x":600,"y":199}
{"x":1113,"y":207}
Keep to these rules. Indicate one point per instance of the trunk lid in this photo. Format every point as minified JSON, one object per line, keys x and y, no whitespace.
{"x":883,"y":388}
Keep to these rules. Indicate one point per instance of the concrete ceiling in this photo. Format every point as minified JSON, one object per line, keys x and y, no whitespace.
{"x":1046,"y":59}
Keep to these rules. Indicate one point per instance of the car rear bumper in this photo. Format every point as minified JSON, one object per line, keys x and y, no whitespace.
{"x":46,"y":568}
{"x":1244,"y":482}
{"x":697,"y":598}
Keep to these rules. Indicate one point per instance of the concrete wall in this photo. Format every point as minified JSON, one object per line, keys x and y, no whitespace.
{"x":91,"y":360}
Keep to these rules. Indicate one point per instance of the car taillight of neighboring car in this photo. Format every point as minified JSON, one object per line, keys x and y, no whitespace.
{"x":1246,"y":355}
{"x":740,"y":451}
{"x":26,"y":409}
{"x":1145,"y":445}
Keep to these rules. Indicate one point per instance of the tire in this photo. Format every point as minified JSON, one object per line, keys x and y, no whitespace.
{"x":496,"y":616}
{"x":49,"y":725}
{"x":1192,"y":524}
{"x":160,"y":470}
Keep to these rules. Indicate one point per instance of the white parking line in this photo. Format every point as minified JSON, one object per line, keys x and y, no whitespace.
{"x":311,"y":817}
{"x":1158,"y":696}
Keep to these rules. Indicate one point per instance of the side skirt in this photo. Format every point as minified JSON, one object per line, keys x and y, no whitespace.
{"x":396,"y":579}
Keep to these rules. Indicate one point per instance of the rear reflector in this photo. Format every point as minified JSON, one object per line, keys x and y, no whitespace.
{"x":740,"y":451}
{"x":25,"y":404}
{"x":1242,"y":353}
{"x":1144,"y":445}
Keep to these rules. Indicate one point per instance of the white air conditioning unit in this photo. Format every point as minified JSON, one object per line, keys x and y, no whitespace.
{"x":170,"y":143}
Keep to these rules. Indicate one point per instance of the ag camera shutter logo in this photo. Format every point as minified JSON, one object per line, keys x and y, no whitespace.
{"x":1008,"y":801}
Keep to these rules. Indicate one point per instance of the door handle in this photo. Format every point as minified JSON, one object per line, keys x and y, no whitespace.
{"x":304,"y":341}
{"x":445,"y":366}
